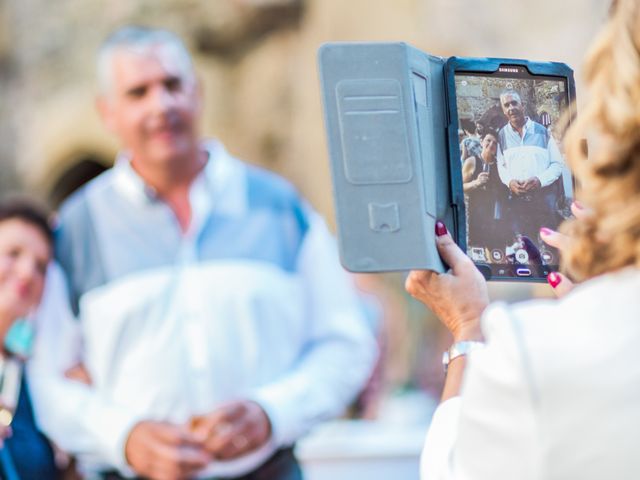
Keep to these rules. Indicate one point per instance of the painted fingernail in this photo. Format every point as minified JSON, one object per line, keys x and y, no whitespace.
{"x":546,"y":231}
{"x":578,"y":205}
{"x":440,"y":229}
{"x":554,"y":279}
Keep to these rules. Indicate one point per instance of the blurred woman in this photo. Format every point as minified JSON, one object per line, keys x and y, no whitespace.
{"x":25,"y":252}
{"x":551,"y":388}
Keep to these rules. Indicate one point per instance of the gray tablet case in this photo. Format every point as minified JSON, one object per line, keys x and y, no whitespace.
{"x":384,"y":110}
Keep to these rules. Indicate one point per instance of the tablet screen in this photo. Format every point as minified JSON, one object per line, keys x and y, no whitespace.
{"x":515,"y":179}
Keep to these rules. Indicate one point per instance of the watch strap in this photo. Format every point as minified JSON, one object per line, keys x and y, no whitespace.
{"x":459,"y":349}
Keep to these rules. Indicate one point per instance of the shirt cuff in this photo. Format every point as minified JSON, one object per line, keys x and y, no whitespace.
{"x":274,"y":400}
{"x":544,"y":181}
{"x":113,"y":426}
{"x":547,"y":178}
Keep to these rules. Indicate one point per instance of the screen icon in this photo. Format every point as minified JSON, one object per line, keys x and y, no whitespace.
{"x":522,"y":256}
{"x":497,"y":255}
{"x":547,"y":257}
{"x":478,"y":254}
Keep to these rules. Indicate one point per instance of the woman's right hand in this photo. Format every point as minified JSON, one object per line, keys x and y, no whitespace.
{"x":457,"y":297}
{"x":482,"y":179}
{"x":560,"y":283}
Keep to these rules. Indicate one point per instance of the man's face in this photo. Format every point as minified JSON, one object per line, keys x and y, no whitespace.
{"x":513,"y":110}
{"x":152,"y":105}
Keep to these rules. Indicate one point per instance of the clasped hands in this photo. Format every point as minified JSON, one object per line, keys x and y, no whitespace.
{"x":166,"y":451}
{"x":520,"y":187}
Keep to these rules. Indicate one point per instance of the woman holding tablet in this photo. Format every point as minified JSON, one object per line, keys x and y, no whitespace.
{"x":550,"y":389}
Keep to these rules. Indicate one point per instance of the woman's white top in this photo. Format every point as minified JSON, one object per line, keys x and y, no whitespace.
{"x":555,"y":395}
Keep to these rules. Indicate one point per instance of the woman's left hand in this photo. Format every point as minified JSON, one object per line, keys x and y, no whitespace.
{"x":457,"y":297}
{"x":560,"y":283}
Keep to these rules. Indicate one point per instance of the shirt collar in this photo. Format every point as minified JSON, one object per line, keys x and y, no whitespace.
{"x":226,"y":180}
{"x":221,"y":184}
{"x":525,"y":128}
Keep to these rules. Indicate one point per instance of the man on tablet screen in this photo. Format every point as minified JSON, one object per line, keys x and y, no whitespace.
{"x":529,"y":164}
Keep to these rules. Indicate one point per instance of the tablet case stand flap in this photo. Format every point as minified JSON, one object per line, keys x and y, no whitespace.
{"x":385,"y":122}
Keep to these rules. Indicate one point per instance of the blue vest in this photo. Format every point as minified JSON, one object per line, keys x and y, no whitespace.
{"x":30,"y":452}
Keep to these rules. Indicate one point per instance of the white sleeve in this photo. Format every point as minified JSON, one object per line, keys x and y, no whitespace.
{"x":340,"y":354}
{"x":440,"y":441}
{"x":71,"y":413}
{"x":493,"y":421}
{"x":503,"y":170}
{"x":556,"y":162}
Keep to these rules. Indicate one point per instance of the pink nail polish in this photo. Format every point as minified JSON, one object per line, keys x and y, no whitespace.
{"x":554,"y":279}
{"x":578,"y":205}
{"x":546,"y":231}
{"x":440,"y":229}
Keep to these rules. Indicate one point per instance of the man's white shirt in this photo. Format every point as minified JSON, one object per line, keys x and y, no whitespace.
{"x":182,"y":337}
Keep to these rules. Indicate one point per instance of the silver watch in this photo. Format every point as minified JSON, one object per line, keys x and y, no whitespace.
{"x":457,"y":350}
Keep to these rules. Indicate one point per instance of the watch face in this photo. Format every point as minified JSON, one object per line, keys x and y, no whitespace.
{"x":445,"y":358}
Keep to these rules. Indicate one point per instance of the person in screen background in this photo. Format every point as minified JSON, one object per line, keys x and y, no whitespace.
{"x":26,"y":247}
{"x":545,"y":119}
{"x":470,"y":143}
{"x":550,"y":389}
{"x":217,"y":323}
{"x":529,"y":164}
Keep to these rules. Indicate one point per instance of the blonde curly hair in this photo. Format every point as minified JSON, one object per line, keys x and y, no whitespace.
{"x":609,"y":175}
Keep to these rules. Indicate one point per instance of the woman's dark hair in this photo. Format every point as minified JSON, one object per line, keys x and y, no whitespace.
{"x":28,"y":211}
{"x":489,"y":131}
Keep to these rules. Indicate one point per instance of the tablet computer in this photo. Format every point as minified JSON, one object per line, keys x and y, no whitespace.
{"x":507,"y":166}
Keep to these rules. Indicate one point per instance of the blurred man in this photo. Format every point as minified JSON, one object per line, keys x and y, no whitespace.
{"x":529,"y":163}
{"x":217,"y":324}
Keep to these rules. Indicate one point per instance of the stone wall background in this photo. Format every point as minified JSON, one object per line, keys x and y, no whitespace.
{"x":257,"y":62}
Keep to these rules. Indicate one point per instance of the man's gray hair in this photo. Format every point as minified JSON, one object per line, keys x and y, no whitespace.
{"x":139,"y":40}
{"x":511,"y":93}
